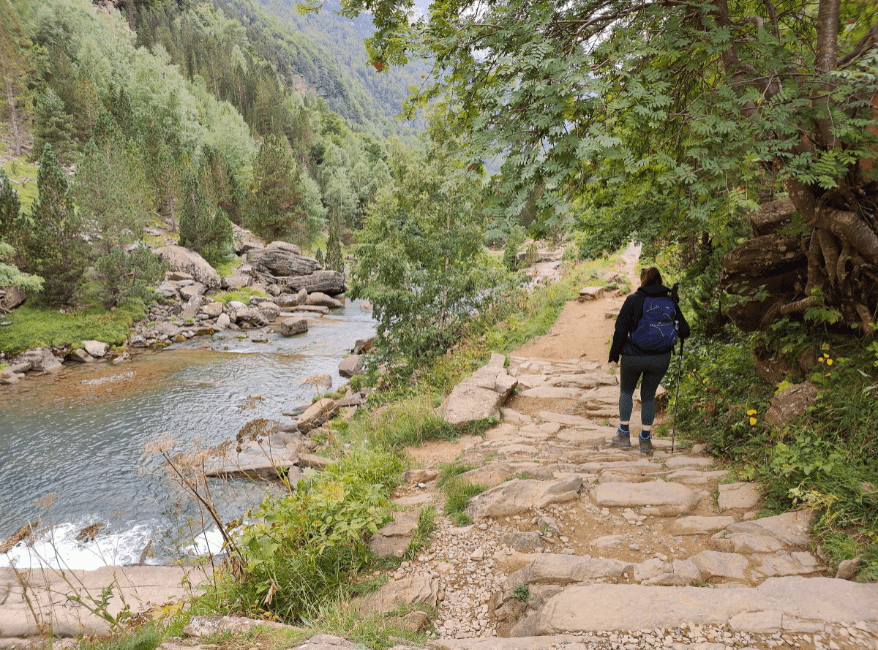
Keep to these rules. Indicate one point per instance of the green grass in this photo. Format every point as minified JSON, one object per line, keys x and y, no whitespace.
{"x":241,"y":295}
{"x":24,"y":180}
{"x":457,"y":495}
{"x":228,"y":268}
{"x":34,"y":327}
{"x":422,"y":535}
{"x":449,"y":471}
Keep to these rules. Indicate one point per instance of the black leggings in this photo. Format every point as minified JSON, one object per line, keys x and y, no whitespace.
{"x":653,"y":369}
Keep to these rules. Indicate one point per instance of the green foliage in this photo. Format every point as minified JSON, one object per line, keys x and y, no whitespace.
{"x":205,"y":228}
{"x":513,"y":243}
{"x":241,"y":295}
{"x":334,"y":259}
{"x":306,"y":544}
{"x":10,"y":210}
{"x":12,"y":276}
{"x":457,"y":495}
{"x":33,"y":327}
{"x":420,"y":257}
{"x":122,"y":275}
{"x":450,"y":471}
{"x":148,"y":637}
{"x":522,"y":593}
{"x":276,"y":200}
{"x":52,"y":237}
{"x":825,"y":460}
{"x":51,"y":125}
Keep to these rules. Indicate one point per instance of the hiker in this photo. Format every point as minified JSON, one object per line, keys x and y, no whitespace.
{"x":645,"y":337}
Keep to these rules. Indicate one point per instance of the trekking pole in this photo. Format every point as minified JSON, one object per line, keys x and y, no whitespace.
{"x":677,"y":396}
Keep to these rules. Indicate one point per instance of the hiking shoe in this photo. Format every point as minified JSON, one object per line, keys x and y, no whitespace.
{"x":645,"y":445}
{"x":621,"y":439}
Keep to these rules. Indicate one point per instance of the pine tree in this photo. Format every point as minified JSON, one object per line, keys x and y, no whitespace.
{"x":204,"y":228}
{"x":54,"y":246}
{"x":276,"y":207}
{"x":10,"y":210}
{"x":51,"y":124}
{"x":334,"y":258}
{"x":86,"y":107}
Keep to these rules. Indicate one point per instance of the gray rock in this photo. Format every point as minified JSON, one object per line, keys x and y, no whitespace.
{"x":791,"y":403}
{"x":12,"y":297}
{"x":651,"y":569}
{"x":318,"y":413}
{"x":192,"y":291}
{"x":591,"y":293}
{"x":326,"y":642}
{"x":37,"y":360}
{"x":232,"y":282}
{"x":81,"y":355}
{"x":235,"y":305}
{"x":384,"y":547}
{"x":302,"y":296}
{"x":328,"y":282}
{"x":700,"y":525}
{"x":182,"y":259}
{"x":403,"y":525}
{"x":223,"y":321}
{"x":522,"y":541}
{"x":179,"y":276}
{"x":655,"y":497}
{"x":96,"y":349}
{"x":479,"y":396}
{"x":200,"y":626}
{"x":268,"y":310}
{"x":553,"y":392}
{"x":293,"y":326}
{"x":408,"y":591}
{"x":286,"y":300}
{"x":281,"y":262}
{"x":636,"y":607}
{"x":350,"y":366}
{"x":721,"y":565}
{"x":284,"y":246}
{"x":244,"y":240}
{"x":560,"y":569}
{"x":609,"y":541}
{"x":415,"y":476}
{"x":516,"y":496}
{"x":682,"y":573}
{"x":322,"y":300}
{"x":168,"y":289}
{"x":314,"y":462}
{"x":738,"y":496}
{"x":252,"y":316}
{"x":212,"y":309}
{"x":847,"y":569}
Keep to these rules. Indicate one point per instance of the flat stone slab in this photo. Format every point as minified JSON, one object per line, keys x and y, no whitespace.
{"x":735,"y":496}
{"x":713,"y":564}
{"x":700,"y":525}
{"x":141,"y":587}
{"x":512,"y":643}
{"x":655,"y":497}
{"x":564,"y":569}
{"x":551,"y":392}
{"x":766,"y":535}
{"x":688,"y":461}
{"x":515,"y":496}
{"x":636,"y":607}
{"x":403,"y":524}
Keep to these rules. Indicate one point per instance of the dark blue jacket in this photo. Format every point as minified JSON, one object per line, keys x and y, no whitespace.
{"x":629,"y":318}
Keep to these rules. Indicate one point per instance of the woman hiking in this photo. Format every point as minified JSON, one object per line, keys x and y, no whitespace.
{"x":647,"y":328}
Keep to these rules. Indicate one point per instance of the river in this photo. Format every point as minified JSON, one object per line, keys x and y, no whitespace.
{"x":74,"y":440}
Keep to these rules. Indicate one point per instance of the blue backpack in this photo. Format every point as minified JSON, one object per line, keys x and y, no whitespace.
{"x":657,"y":331}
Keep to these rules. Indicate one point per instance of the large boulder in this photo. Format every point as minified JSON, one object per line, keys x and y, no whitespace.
{"x":37,"y":360}
{"x":96,"y":349}
{"x":350,"y":366}
{"x":252,"y":316}
{"x":517,"y":496}
{"x":281,"y":262}
{"x":12,"y":297}
{"x":292,"y":326}
{"x":316,"y":414}
{"x":791,"y":403}
{"x":182,"y":259}
{"x":329,"y":282}
{"x":479,"y":396}
{"x":408,"y":591}
{"x":244,"y":240}
{"x":323,"y":300}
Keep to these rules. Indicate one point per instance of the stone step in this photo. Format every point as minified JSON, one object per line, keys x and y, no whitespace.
{"x":793,"y":604}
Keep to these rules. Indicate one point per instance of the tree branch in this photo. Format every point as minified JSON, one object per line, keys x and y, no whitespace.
{"x":864,"y":45}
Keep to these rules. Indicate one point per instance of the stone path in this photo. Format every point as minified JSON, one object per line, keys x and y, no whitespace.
{"x":576,"y":544}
